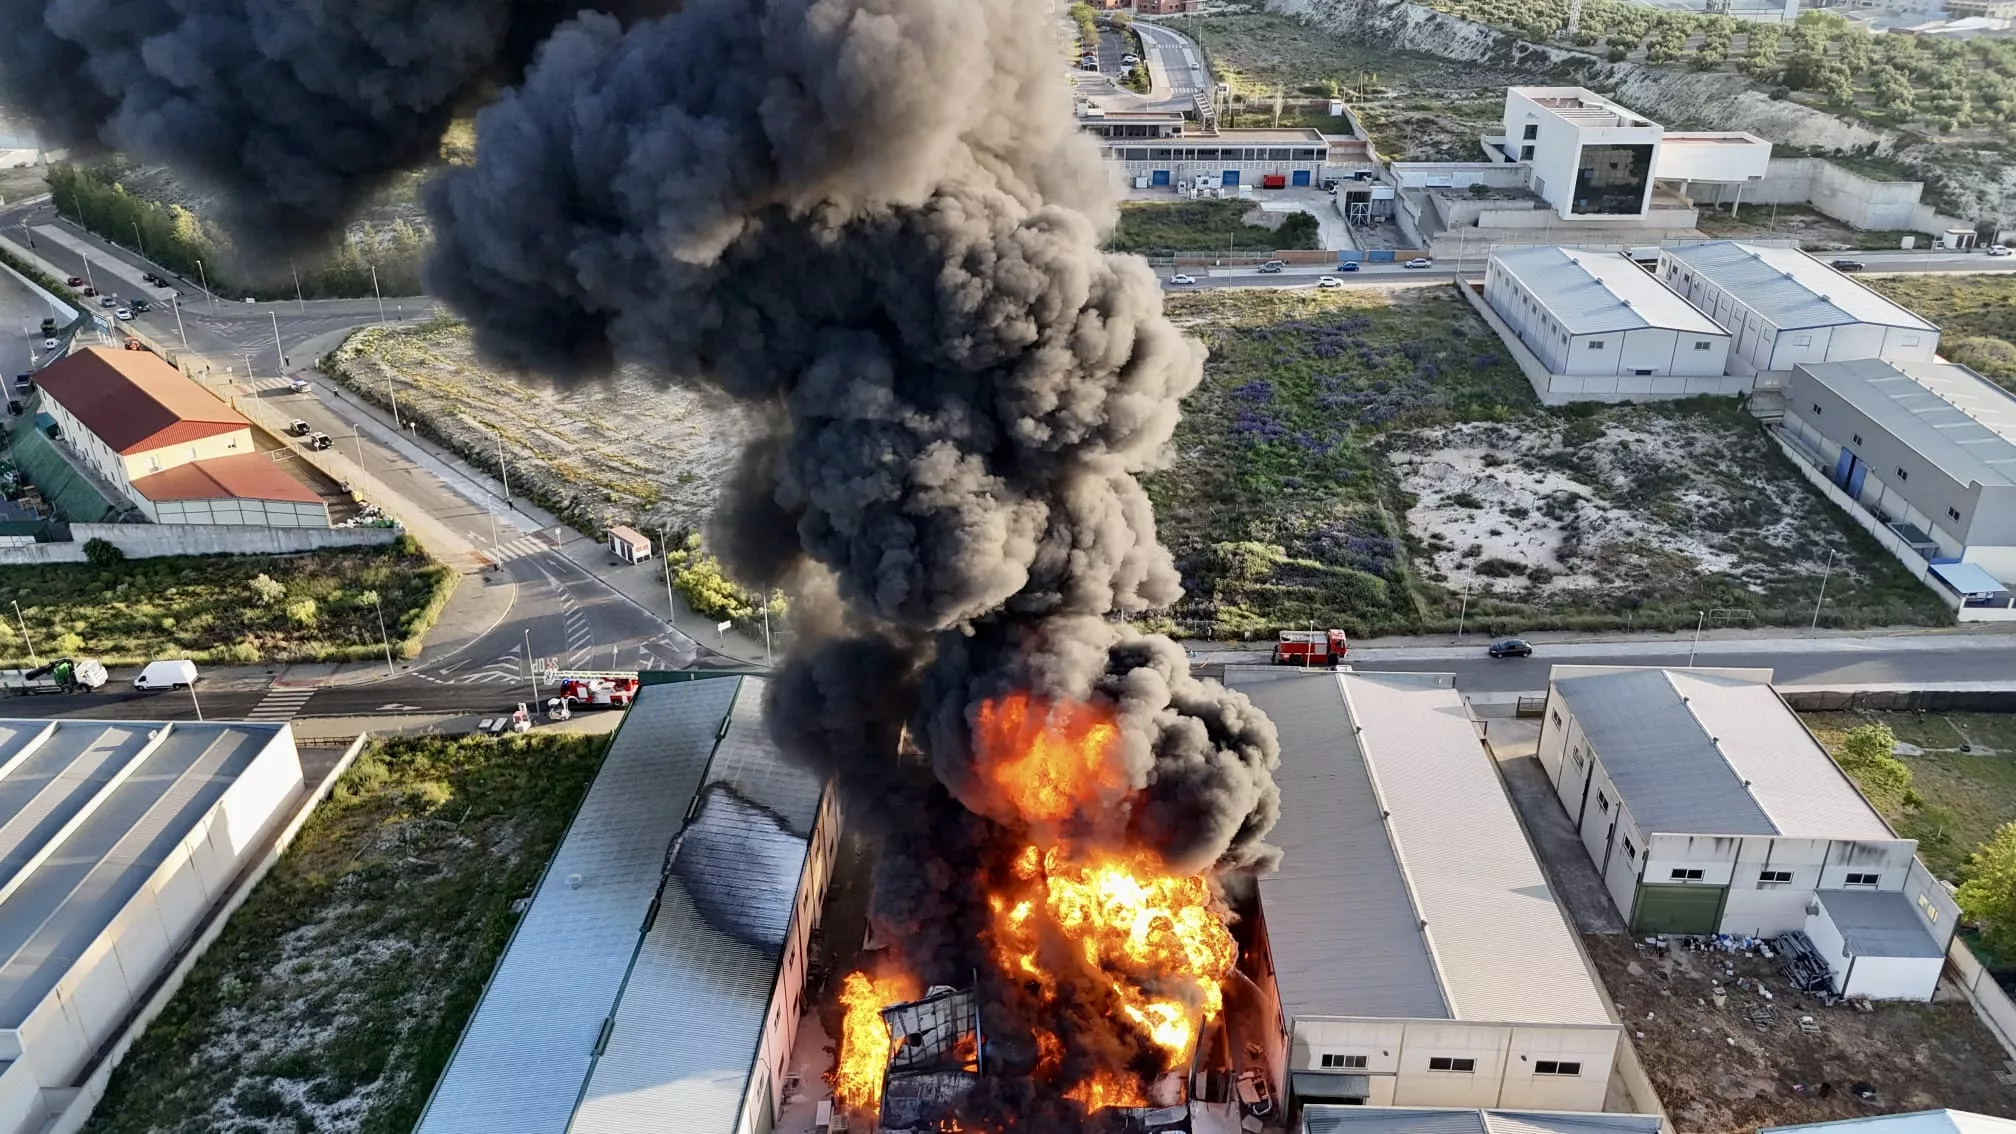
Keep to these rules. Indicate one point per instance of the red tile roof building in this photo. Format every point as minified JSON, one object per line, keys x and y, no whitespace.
{"x":134,"y":402}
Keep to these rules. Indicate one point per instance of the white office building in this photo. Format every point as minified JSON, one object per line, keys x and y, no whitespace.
{"x":1708,"y":808}
{"x":1605,"y":330}
{"x":1783,"y":307}
{"x":1418,"y":957}
{"x":117,"y":840}
{"x":1592,"y":159}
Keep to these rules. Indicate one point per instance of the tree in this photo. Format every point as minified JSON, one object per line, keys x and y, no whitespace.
{"x":1989,"y":894}
{"x":102,"y":553}
{"x":1866,"y":757}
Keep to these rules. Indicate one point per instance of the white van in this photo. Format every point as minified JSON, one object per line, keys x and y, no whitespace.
{"x":177,"y":674}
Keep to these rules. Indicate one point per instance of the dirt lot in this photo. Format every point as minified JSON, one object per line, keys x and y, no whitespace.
{"x":1813,"y":231}
{"x":1721,"y":1069}
{"x":625,"y":452}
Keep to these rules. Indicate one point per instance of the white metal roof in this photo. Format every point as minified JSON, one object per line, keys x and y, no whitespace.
{"x":693,"y":796}
{"x":1917,"y":1122}
{"x":1495,"y":942}
{"x":1329,"y":1119}
{"x":1790,"y":289}
{"x":1948,"y":414}
{"x":1695,"y":753}
{"x":1595,"y":292}
{"x":88,"y":811}
{"x":1879,"y":923}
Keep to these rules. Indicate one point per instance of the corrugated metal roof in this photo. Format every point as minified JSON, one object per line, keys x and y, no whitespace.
{"x":524,"y":1058}
{"x":1659,"y":756}
{"x":1879,"y":923}
{"x":684,"y":1041}
{"x":1323,"y":1119}
{"x":1917,"y":1122}
{"x":134,"y":791}
{"x":1593,"y":292}
{"x":1502,"y":944}
{"x":1790,"y":289}
{"x":1791,"y":777}
{"x":1956,"y":419}
{"x":1344,"y":931}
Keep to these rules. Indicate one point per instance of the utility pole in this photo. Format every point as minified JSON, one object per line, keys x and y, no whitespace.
{"x":1814,"y":628}
{"x":374,"y":292}
{"x":671,"y":607}
{"x":205,"y":277}
{"x":1698,"y":624}
{"x":32,"y":659}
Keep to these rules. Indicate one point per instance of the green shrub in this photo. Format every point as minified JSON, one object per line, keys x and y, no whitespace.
{"x":102,"y":553}
{"x":266,"y":590}
{"x":67,"y":643}
{"x":302,"y":612}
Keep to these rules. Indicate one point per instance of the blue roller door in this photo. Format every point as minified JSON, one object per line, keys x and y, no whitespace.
{"x":1161,"y":177}
{"x":1301,"y":177}
{"x":1230,"y":179}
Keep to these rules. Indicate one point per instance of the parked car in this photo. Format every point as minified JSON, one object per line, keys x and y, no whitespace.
{"x":299,"y":428}
{"x":1329,"y":281}
{"x":157,"y":281}
{"x":89,"y":292}
{"x":1130,"y":59}
{"x":2000,"y":250}
{"x":1272,"y":266}
{"x":1348,"y":266}
{"x":1511,"y":648}
{"x":179,"y":673}
{"x":108,"y":301}
{"x":124,"y":313}
{"x":142,"y":307}
{"x":1849,"y":265}
{"x":1181,"y":280}
{"x":298,"y":385}
{"x":1420,"y":262}
{"x":319,"y":441}
{"x":75,"y":281}
{"x":50,"y":344}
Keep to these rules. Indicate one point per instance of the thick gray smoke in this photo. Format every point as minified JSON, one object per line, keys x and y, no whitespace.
{"x":873,"y":222}
{"x":292,"y":110}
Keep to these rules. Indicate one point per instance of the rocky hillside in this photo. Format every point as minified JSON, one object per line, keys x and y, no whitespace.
{"x":1973,"y":184}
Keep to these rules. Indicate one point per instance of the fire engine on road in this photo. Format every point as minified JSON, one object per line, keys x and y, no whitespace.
{"x":1310,"y":647}
{"x":594,"y":690}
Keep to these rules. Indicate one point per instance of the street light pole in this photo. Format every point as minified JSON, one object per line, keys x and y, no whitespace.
{"x":374,"y":292}
{"x":32,"y":659}
{"x":529,"y":671}
{"x":1823,"y":592}
{"x":504,"y":470}
{"x":767,"y":662}
{"x":279,"y":352}
{"x":671,"y":607}
{"x":1698,"y":624}
{"x":138,"y":241}
{"x":195,"y":702}
{"x":298,"y":297}
{"x":205,"y":277}
{"x":1462,"y":613}
{"x":89,"y":282}
{"x":175,"y":302}
{"x":393,"y":396}
{"x":357,"y":435}
{"x":387,"y":638}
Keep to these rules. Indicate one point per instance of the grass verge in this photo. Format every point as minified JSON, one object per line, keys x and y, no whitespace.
{"x":1211,"y":226}
{"x":215,"y":609}
{"x":1977,"y":315}
{"x":335,"y":996}
{"x":1961,"y":797}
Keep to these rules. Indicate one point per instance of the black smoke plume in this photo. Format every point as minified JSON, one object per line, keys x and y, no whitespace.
{"x":292,"y":111}
{"x":873,"y":222}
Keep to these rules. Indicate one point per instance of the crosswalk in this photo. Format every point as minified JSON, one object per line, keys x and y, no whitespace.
{"x":520,"y":548}
{"x":280,"y":703}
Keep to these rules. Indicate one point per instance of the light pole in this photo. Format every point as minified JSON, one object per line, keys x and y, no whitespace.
{"x":387,"y":638}
{"x":175,"y":302}
{"x":393,"y":396}
{"x":279,"y":352}
{"x":88,"y":281}
{"x":32,"y":659}
{"x":374,"y":292}
{"x":504,"y":470}
{"x":298,"y":297}
{"x":1462,"y":612}
{"x":1698,"y":623}
{"x":195,"y":702}
{"x":138,"y":242}
{"x":671,"y":607}
{"x":357,"y":436}
{"x":1814,"y":628}
{"x":205,"y":277}
{"x":767,"y":662}
{"x":529,"y":671}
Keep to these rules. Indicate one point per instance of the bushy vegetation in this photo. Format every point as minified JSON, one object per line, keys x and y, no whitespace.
{"x":176,"y":238}
{"x":1977,"y":315}
{"x":1209,"y":226}
{"x":333,"y":999}
{"x":1952,"y":801}
{"x":235,"y":609}
{"x":698,"y":578}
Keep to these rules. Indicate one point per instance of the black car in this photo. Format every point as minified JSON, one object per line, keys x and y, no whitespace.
{"x":141,"y":307}
{"x":1512,"y":648}
{"x":1849,"y":265}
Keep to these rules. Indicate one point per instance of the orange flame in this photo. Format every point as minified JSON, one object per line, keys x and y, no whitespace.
{"x":1049,"y":760}
{"x":1104,"y":1089}
{"x":865,"y":1042}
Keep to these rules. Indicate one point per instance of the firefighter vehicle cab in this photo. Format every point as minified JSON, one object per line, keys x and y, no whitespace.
{"x":596,"y":690}
{"x":1310,"y":647}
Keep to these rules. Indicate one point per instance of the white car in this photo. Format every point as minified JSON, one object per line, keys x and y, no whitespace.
{"x":1420,"y":262}
{"x":1130,"y":59}
{"x":2000,"y":250}
{"x":1181,"y":280}
{"x":1329,"y":281}
{"x":125,"y":314}
{"x":298,"y":385}
{"x":50,"y":344}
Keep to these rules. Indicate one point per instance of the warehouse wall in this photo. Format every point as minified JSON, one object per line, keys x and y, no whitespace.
{"x":1398,"y":1052}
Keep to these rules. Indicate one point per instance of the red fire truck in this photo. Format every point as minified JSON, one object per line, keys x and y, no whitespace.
{"x":596,"y":690}
{"x":1310,"y":647}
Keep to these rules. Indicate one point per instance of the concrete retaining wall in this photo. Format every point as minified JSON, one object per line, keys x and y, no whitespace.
{"x":149,"y":541}
{"x":1843,"y":194}
{"x":2000,"y":700}
{"x":64,"y":311}
{"x":1990,"y":1002}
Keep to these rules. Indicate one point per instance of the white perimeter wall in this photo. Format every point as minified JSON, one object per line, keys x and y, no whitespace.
{"x":1397,"y":1054}
{"x":21,"y":1108}
{"x":113,"y":972}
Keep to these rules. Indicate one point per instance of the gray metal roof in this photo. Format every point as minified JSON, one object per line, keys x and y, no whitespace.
{"x":1342,"y":927}
{"x":1326,"y":1119}
{"x":1594,"y":292}
{"x":1879,"y":923}
{"x":1961,"y":422}
{"x":1660,"y":758}
{"x":693,"y":807}
{"x":1345,"y":913}
{"x":88,"y":811}
{"x":1699,"y":753}
{"x":1788,"y":288}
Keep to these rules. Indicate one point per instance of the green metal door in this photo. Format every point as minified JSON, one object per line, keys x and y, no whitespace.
{"x":1678,"y":909}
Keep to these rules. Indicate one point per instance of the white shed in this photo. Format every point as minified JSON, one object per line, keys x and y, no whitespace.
{"x":1875,"y":944}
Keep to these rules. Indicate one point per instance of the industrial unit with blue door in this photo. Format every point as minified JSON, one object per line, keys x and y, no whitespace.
{"x":1300,"y":178}
{"x":1230,"y":179}
{"x":1161,"y":178}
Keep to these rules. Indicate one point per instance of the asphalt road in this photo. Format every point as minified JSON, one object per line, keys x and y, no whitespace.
{"x":1386,"y":275}
{"x":1482,"y":674}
